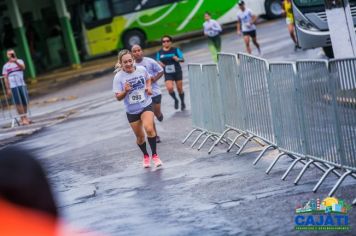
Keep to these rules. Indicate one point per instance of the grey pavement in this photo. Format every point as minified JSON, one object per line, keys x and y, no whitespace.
{"x":95,"y":166}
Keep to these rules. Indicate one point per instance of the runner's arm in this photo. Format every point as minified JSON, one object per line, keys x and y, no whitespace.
{"x":122,"y":94}
{"x":217,"y":26}
{"x":254,"y":18}
{"x":284,"y":10}
{"x":7,"y":85}
{"x":180,"y":55}
{"x":238,"y":26}
{"x":157,"y":77}
{"x":157,"y":67}
{"x":121,"y":90}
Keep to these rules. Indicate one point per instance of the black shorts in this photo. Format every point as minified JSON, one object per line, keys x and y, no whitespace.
{"x":135,"y":117}
{"x":252,"y":33}
{"x":174,"y":76}
{"x":157,"y":99}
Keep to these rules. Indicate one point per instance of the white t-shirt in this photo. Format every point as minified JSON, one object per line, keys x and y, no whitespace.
{"x":14,"y":73}
{"x":136,"y":99}
{"x":245,"y":18}
{"x":212,"y":28}
{"x":153,"y":68}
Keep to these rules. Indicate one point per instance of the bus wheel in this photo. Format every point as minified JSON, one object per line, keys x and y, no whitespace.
{"x":273,"y":8}
{"x":328,"y":51}
{"x":134,"y":37}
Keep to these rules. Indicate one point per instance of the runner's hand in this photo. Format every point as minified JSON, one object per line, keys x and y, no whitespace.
{"x":175,"y":58}
{"x":149,"y":90}
{"x":127,"y":87}
{"x":239,"y":32}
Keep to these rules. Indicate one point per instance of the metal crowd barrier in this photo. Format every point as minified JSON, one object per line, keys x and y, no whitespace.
{"x":343,"y":80}
{"x":306,"y":110}
{"x":9,"y":107}
{"x":231,"y":100}
{"x":208,"y":118}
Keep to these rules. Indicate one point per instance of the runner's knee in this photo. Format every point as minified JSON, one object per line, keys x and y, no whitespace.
{"x":150,"y":131}
{"x":140,"y":139}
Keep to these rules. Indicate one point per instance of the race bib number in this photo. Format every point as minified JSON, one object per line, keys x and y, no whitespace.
{"x":137,"y":96}
{"x":170,"y":69}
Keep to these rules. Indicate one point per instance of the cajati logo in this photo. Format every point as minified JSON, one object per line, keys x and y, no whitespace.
{"x":328,"y":214}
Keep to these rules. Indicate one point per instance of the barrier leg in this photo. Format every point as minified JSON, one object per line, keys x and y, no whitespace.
{"x":205,"y":140}
{"x":262,"y":153}
{"x":326,"y":173}
{"x":234,"y":142}
{"x":189,"y":134}
{"x":274,"y":162}
{"x":320,"y":167}
{"x":197,"y":139}
{"x":259,"y":142}
{"x":335,"y":172}
{"x":14,"y":120}
{"x":244,"y":145}
{"x":303,"y":171}
{"x":291,"y":167}
{"x":218,"y":140}
{"x":337,"y":185}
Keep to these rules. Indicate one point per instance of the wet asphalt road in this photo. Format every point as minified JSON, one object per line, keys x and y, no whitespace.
{"x":95,"y":167}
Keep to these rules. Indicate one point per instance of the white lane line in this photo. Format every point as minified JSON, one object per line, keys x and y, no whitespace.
{"x":190,"y":16}
{"x":159,"y":18}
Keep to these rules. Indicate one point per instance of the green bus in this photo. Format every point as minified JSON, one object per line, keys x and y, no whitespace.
{"x":104,"y":26}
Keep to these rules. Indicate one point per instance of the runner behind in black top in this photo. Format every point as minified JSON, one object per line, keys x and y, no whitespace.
{"x":169,"y":58}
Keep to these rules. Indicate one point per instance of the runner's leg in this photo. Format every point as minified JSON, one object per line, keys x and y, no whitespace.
{"x":247,"y":43}
{"x":140,"y":140}
{"x":179,"y":84}
{"x":148,"y":125}
{"x":212,"y":48}
{"x":292,"y":33}
{"x":170,"y":89}
{"x":254,"y":41}
{"x":140,"y":135}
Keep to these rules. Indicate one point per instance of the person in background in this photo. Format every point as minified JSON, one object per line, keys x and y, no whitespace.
{"x":170,"y":58}
{"x":212,"y":30}
{"x":246,"y":23}
{"x":156,"y":71}
{"x":13,"y":72}
{"x":288,"y":13}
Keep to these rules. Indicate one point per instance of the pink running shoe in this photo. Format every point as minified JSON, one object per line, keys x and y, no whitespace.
{"x":146,"y":161}
{"x":156,"y":160}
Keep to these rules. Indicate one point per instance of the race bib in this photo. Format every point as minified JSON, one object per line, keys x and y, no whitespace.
{"x":170,"y":69}
{"x":137,"y":96}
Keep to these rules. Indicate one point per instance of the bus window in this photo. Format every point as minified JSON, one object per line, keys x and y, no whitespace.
{"x":309,"y":3}
{"x":96,"y":12}
{"x":124,"y":6}
{"x":127,"y":6}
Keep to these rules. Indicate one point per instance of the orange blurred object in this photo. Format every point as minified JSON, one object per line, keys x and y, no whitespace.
{"x":17,"y":221}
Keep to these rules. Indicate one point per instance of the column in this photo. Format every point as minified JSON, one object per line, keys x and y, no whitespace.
{"x":17,"y":25}
{"x":68,"y":36}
